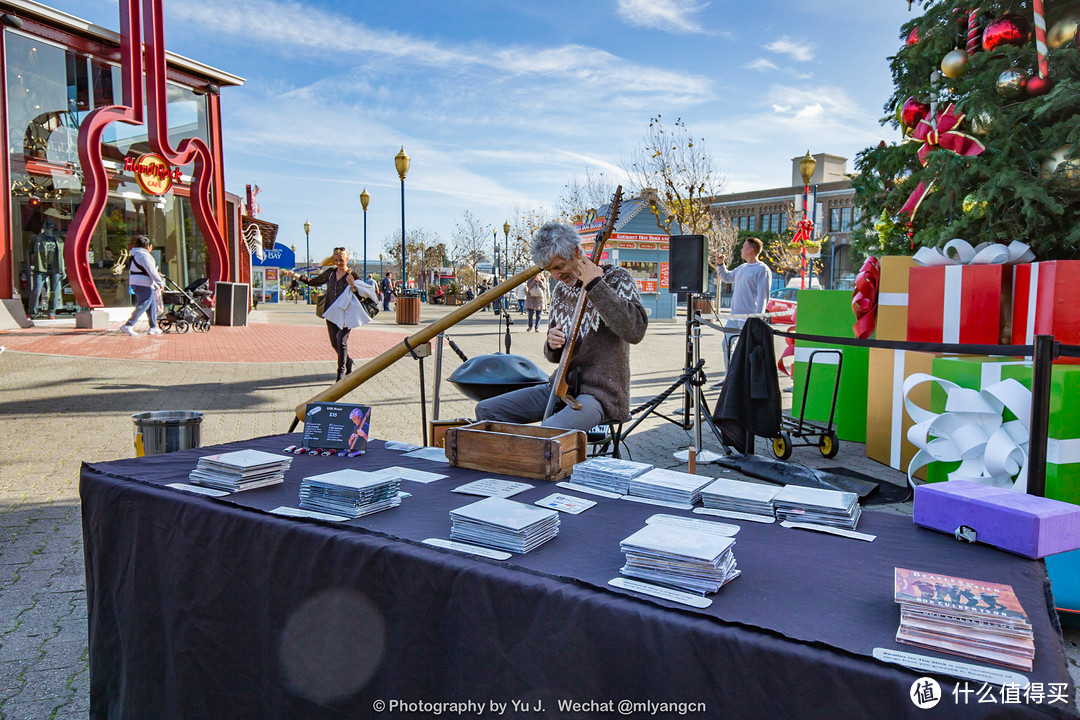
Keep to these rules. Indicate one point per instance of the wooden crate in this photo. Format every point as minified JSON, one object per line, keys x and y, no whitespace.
{"x":437,"y":430}
{"x":527,"y":451}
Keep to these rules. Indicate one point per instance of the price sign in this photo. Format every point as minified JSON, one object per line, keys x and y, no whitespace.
{"x":337,"y":426}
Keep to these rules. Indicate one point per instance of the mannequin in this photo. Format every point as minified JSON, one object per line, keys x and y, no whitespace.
{"x":47,"y":261}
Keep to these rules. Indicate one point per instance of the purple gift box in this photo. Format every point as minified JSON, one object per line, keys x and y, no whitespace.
{"x":1023,"y":524}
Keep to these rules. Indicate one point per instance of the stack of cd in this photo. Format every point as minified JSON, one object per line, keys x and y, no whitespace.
{"x":740,"y":496}
{"x":700,"y":562}
{"x":504,"y":524}
{"x":240,"y":470}
{"x":818,"y":506}
{"x":669,"y":486}
{"x":611,"y":474}
{"x":351,"y":493}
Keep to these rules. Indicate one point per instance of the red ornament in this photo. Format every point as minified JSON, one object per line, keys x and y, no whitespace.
{"x":1009,"y":29}
{"x":913,"y":37}
{"x":912,"y":112}
{"x":1038,"y":86}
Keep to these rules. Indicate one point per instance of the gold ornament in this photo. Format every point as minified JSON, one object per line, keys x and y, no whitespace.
{"x":1063,"y":30}
{"x":980,"y":123}
{"x":954,"y":63}
{"x":974,"y":207}
{"x":884,"y":225}
{"x":1061,"y":168}
{"x":1011,"y":83}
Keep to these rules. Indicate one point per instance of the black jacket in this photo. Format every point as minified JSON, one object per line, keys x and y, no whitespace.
{"x":750,"y":399}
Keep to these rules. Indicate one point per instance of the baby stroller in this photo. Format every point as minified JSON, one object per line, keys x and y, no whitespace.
{"x":183,"y":307}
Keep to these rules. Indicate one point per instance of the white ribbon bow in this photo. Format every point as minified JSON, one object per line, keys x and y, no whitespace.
{"x":960,"y":252}
{"x":973,"y":432}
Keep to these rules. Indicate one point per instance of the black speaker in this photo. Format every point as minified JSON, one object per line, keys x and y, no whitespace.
{"x":231,"y":305}
{"x":689,"y":264}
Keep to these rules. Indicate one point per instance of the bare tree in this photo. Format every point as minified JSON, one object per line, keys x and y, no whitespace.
{"x":421,"y":247}
{"x":524,"y":222}
{"x":582,"y":195}
{"x":470,"y":239}
{"x":678,"y":175}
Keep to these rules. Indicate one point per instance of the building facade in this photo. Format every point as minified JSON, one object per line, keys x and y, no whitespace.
{"x":57,"y":71}
{"x":766,"y":210}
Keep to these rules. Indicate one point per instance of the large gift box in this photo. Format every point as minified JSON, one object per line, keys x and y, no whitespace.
{"x":828,"y":312}
{"x":1023,"y":524}
{"x":892,"y":310}
{"x":886,"y":422}
{"x":1046,"y":301}
{"x":970,"y":304}
{"x":1063,"y":444}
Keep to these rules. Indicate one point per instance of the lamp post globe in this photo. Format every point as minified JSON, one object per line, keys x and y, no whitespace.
{"x":365,"y":198}
{"x":401,"y":162}
{"x":307,"y":258}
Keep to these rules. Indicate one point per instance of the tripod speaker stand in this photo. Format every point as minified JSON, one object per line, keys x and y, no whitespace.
{"x":694,"y":397}
{"x":692,"y":381}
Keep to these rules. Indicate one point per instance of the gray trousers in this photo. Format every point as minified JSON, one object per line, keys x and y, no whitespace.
{"x":730,"y":338}
{"x":528,"y":404}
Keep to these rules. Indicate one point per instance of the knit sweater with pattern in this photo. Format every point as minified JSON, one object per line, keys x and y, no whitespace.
{"x":614,"y":318}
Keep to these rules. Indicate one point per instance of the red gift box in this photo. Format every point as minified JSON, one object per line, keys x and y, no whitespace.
{"x":968,"y":304}
{"x":1046,"y":301}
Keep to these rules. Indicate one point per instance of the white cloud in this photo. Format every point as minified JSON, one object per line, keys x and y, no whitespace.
{"x":301,"y":32}
{"x":800,"y":51}
{"x":762,"y":64}
{"x":674,"y":16}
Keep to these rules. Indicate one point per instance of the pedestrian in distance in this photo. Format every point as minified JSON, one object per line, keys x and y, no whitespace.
{"x":750,"y":288}
{"x":145,"y":281}
{"x":339,"y":279}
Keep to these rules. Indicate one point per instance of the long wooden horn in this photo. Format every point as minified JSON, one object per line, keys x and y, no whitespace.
{"x":373,"y":367}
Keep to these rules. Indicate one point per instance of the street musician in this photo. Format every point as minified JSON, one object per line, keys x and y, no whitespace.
{"x":599,"y":368}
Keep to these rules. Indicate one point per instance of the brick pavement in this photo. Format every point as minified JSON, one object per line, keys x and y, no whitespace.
{"x":59,"y":409}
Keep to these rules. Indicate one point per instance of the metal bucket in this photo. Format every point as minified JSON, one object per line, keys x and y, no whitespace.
{"x":164,"y":431}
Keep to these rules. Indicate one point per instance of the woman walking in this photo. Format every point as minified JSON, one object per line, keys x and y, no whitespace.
{"x":338,"y":279}
{"x":145,"y":281}
{"x":534,"y":301}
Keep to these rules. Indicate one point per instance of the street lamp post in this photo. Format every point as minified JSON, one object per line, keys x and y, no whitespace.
{"x":365,"y":198}
{"x":401,"y":162}
{"x":806,"y":169}
{"x":307,"y":242}
{"x":506,"y":253}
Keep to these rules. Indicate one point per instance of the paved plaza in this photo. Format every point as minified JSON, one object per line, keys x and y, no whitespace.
{"x":67,"y":396}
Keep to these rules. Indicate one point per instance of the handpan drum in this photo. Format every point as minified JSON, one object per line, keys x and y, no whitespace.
{"x":486,"y":376}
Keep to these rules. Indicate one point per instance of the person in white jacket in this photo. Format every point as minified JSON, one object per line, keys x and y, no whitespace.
{"x":341,"y":314}
{"x":145,"y":281}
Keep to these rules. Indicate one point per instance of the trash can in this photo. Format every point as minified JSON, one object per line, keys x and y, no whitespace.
{"x":408,"y":309}
{"x":164,"y":431}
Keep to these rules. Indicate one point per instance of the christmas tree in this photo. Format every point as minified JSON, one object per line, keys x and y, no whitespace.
{"x":991,"y":134}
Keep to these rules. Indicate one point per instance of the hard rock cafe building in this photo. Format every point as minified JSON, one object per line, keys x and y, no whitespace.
{"x":57,"y":70}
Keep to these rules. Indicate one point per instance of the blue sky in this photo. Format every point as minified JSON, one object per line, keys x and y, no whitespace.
{"x":499,"y":103}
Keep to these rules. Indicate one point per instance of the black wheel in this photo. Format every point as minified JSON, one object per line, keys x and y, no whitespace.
{"x":781,"y":446}
{"x":202,"y":325}
{"x":165,"y":324}
{"x":182,"y":326}
{"x":829,"y":444}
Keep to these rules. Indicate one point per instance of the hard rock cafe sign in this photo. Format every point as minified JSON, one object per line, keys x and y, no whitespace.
{"x":152,"y":173}
{"x":144,"y":102}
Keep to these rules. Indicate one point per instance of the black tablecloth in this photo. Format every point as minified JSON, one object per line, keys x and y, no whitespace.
{"x":204,"y":607}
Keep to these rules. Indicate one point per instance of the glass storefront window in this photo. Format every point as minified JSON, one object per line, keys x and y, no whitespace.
{"x":645,"y":274}
{"x":51,"y":90}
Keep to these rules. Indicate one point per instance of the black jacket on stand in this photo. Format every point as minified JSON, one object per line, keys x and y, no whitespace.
{"x":750,"y":398}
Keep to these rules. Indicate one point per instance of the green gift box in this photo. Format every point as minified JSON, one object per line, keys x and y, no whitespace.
{"x":828,"y":312}
{"x":1063,"y":444}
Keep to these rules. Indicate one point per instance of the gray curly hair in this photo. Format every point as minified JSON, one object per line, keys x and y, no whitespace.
{"x":553,"y":240}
